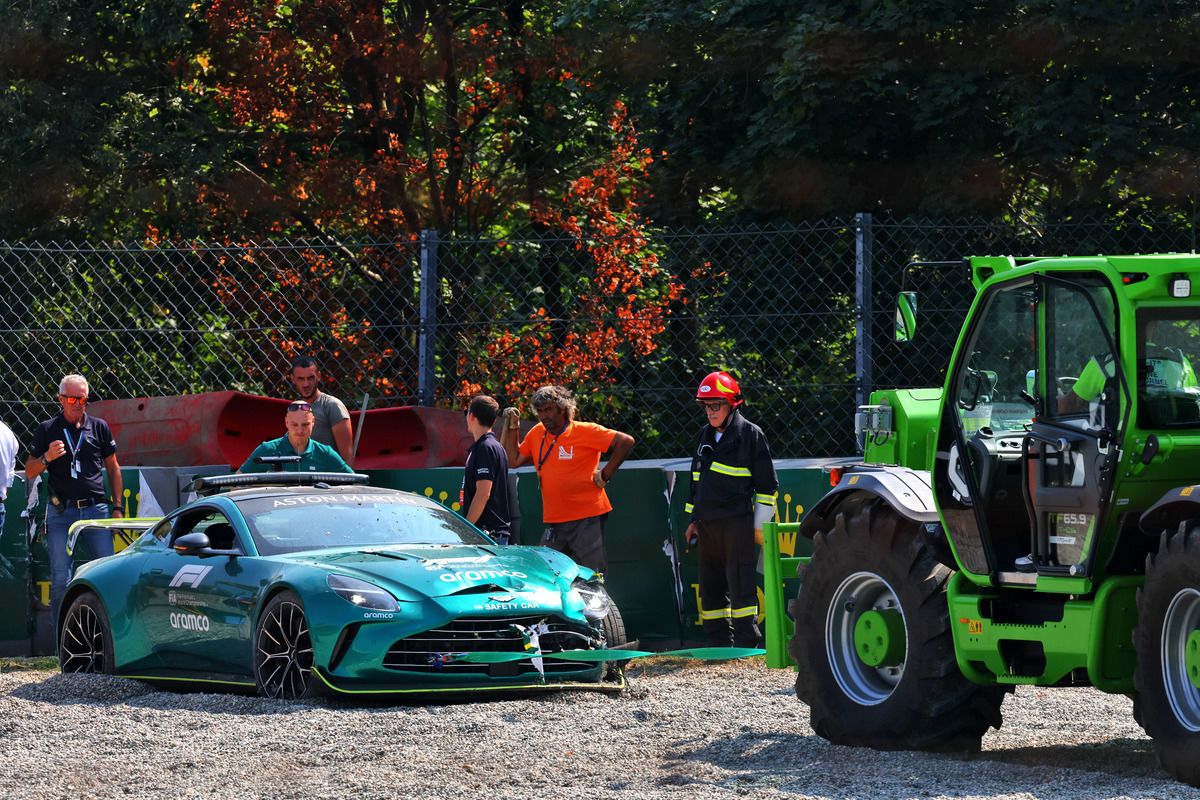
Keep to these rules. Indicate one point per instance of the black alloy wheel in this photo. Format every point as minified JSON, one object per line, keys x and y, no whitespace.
{"x":283,"y":653}
{"x":85,"y":642}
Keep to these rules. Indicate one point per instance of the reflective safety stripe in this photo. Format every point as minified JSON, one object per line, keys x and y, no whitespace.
{"x":725,"y":469}
{"x":720,"y":613}
{"x":687,"y":508}
{"x":766,"y":499}
{"x":748,"y":611}
{"x":695,"y":476}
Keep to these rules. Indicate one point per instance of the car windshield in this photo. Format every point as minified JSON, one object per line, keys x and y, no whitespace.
{"x":290,"y":523}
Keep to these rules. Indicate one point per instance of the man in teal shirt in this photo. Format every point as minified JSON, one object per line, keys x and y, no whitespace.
{"x":314,"y":456}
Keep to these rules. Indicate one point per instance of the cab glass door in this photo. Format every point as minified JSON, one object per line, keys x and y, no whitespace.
{"x":1073,"y":445}
{"x":979,"y":476}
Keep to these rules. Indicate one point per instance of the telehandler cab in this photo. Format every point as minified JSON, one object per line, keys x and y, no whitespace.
{"x":1036,"y":521}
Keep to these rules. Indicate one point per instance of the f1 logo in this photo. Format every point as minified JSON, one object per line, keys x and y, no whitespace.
{"x":190,"y":575}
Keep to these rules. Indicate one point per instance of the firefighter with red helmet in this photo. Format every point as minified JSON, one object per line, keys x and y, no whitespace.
{"x":733,"y":494}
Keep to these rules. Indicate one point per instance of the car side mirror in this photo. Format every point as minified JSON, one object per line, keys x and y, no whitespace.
{"x":191,"y":544}
{"x":906,"y":316}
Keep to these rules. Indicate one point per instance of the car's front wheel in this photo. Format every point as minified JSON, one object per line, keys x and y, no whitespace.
{"x":613,"y":627}
{"x":85,"y":641}
{"x":283,"y":652}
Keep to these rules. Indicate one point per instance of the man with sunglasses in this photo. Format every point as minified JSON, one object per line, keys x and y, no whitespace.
{"x":75,"y":450}
{"x":297,"y":443}
{"x":733,"y":493}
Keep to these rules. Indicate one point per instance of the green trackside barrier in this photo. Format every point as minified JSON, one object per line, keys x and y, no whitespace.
{"x":652,"y":576}
{"x":16,"y":631}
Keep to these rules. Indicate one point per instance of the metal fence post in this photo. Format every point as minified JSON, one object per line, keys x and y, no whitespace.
{"x":426,"y":348}
{"x":863,"y":345}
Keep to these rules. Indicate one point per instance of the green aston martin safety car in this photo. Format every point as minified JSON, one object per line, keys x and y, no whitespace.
{"x":328,"y":585}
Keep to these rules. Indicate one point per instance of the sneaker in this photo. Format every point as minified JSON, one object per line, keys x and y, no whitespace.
{"x":1025,"y":564}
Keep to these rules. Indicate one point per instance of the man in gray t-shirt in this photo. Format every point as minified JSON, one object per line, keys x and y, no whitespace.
{"x":331,"y":424}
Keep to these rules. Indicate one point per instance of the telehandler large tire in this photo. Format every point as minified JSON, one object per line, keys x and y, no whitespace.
{"x":873,"y":648}
{"x":1167,"y":643}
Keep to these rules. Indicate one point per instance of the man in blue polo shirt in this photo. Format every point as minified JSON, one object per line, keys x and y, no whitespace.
{"x":314,"y":456}
{"x":75,"y":449}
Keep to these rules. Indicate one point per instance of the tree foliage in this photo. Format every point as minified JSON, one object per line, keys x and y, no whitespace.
{"x":816,"y":108}
{"x":610,"y":312}
{"x":318,"y":116}
{"x":386,"y":118}
{"x":100,"y":137}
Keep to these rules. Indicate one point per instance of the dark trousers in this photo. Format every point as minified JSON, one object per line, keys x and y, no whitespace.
{"x":581,"y":539}
{"x":729,"y":581}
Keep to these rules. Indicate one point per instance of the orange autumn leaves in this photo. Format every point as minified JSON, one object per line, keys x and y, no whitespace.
{"x":624,"y":307}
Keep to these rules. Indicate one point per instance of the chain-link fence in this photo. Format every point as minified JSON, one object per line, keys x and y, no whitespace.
{"x":801,"y":313}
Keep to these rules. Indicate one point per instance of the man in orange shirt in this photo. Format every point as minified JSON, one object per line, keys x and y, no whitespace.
{"x":566,"y":455}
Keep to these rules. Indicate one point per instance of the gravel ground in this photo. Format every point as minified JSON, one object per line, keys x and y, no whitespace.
{"x":680,"y":730}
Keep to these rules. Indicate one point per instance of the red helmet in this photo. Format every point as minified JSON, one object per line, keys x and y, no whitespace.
{"x":720,"y":386}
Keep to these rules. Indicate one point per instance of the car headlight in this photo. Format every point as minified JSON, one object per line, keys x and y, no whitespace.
{"x":594,"y":596}
{"x":362,"y":594}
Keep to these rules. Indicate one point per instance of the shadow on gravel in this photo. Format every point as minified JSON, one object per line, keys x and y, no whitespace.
{"x":750,"y":749}
{"x":1118,"y":757}
{"x":809,"y":765}
{"x":107,"y":690}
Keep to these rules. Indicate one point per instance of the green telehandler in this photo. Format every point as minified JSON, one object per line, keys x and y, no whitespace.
{"x":1033,"y":522}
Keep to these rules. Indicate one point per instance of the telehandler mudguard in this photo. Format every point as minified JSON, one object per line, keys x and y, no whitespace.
{"x":1176,"y":505}
{"x":906,"y":490}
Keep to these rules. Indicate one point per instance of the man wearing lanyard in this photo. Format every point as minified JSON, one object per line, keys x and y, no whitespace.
{"x":566,"y":455}
{"x":75,"y":450}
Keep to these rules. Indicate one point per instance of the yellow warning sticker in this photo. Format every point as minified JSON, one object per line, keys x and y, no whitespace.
{"x":974,"y":626}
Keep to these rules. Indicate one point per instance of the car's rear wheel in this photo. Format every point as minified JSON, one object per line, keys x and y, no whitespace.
{"x":85,"y":641}
{"x":283,"y":652}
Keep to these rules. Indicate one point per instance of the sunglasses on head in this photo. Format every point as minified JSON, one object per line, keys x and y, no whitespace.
{"x":73,"y":401}
{"x":713,"y":405}
{"x":299,"y":406}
